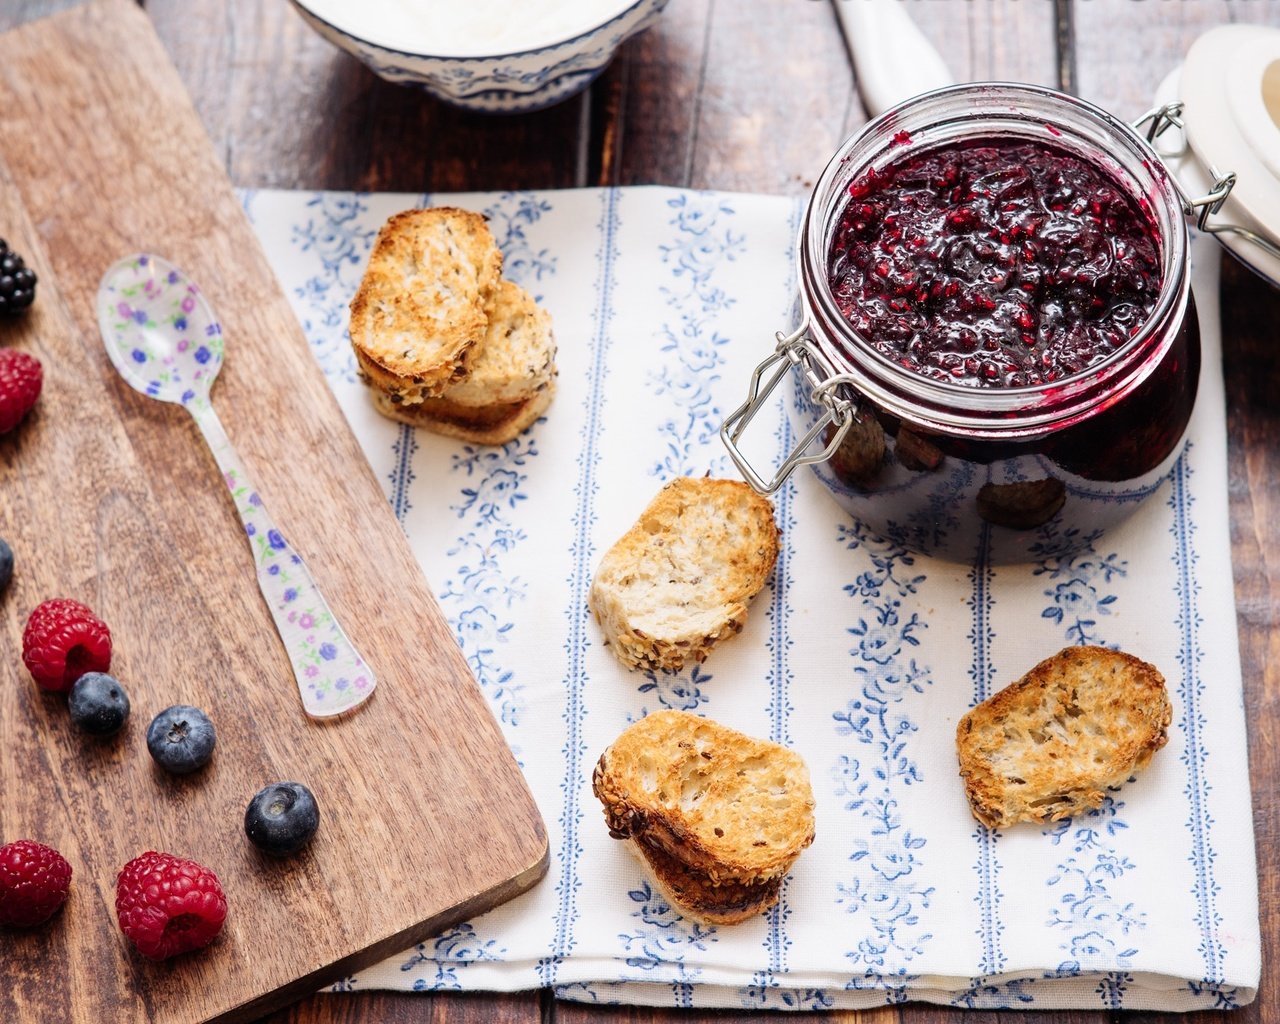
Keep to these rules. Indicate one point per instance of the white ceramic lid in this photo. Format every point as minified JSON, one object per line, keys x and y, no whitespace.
{"x":1229,"y":87}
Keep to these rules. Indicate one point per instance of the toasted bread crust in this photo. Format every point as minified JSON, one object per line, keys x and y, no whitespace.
{"x":414,"y":389}
{"x":733,"y":809}
{"x":516,"y":358}
{"x":1052,"y":743}
{"x":490,"y":425}
{"x":677,"y":583}
{"x":697,"y":899}
{"x":420,"y":308}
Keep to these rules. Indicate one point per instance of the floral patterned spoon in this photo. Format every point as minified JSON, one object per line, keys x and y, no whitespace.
{"x":165,"y":341}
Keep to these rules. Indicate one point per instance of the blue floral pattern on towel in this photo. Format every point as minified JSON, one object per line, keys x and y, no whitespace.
{"x":1078,"y":597}
{"x":449,"y":953}
{"x":510,"y":218}
{"x":662,"y":939}
{"x":884,"y":890}
{"x":480,"y":597}
{"x":340,"y":237}
{"x":705,"y":242}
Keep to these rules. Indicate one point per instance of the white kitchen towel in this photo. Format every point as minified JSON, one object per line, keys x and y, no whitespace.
{"x":859,"y":654}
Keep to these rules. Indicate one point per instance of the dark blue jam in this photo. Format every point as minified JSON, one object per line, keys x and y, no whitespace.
{"x":994,"y":262}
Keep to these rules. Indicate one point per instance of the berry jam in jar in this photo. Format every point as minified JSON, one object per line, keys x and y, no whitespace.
{"x":994,"y":262}
{"x":997,"y":355}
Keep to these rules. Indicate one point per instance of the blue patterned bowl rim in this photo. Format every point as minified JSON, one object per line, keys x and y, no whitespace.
{"x":511,"y":55}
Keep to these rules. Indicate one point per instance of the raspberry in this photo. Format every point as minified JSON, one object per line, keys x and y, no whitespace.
{"x":21,"y":377}
{"x":167,"y":905}
{"x":34,"y":879}
{"x":64,"y":640}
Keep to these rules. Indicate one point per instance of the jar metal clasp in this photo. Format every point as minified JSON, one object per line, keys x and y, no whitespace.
{"x":1153,"y":124}
{"x":793,"y":351}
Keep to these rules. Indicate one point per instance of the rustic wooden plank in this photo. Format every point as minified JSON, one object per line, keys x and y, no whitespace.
{"x":1251,"y":363}
{"x":770,"y":94}
{"x":1009,"y":40}
{"x":1126,"y":49}
{"x":412,"y":1008}
{"x":286,"y":109}
{"x":111,"y":498}
{"x":589,"y":1013}
{"x":776,"y":98}
{"x":1064,"y":21}
{"x":725,"y":95}
{"x":646,"y":103}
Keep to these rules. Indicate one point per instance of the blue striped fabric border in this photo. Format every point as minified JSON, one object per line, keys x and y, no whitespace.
{"x":779,"y":642}
{"x":580,"y":557}
{"x":1190,"y":690}
{"x":401,"y":476}
{"x":982,"y":602}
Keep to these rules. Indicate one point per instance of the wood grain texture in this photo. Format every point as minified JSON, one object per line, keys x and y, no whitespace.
{"x":585,"y":1013}
{"x":1124,"y":50}
{"x":732,"y":109}
{"x":1251,"y":362}
{"x":777,"y":98}
{"x":414,"y":1008}
{"x":1007,"y":40}
{"x":111,"y":498}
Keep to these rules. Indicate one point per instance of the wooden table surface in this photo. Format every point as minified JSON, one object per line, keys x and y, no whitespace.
{"x":751,"y":95}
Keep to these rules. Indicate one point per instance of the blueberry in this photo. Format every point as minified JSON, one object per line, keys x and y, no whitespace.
{"x":281,"y":818}
{"x":6,"y":564}
{"x":98,"y":704}
{"x":181,"y":739}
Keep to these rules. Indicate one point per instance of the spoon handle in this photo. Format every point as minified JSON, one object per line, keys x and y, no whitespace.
{"x":892,"y":59}
{"x":332,"y":677}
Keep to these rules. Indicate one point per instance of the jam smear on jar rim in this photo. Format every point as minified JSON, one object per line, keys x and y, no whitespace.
{"x":994,"y":262}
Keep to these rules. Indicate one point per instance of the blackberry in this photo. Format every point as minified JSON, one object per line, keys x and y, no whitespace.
{"x":17,"y":281}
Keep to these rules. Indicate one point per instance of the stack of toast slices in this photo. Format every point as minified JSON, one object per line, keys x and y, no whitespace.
{"x":718,"y":817}
{"x":441,"y":339}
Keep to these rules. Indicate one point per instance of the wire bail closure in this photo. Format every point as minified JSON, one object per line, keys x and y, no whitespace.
{"x":1158,"y":121}
{"x":792,"y":351}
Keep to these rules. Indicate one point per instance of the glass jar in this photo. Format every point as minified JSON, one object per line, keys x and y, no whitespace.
{"x":1002,"y":474}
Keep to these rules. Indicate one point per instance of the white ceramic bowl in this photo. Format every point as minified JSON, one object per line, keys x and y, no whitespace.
{"x":507,"y":83}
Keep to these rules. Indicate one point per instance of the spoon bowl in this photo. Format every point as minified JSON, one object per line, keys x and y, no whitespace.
{"x":159,"y":332}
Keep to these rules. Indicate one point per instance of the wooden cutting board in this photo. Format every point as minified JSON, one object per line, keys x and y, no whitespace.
{"x":112,"y":499}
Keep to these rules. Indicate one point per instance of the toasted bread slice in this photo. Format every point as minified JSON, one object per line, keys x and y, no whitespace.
{"x":1050,"y":745}
{"x":516,"y":359}
{"x":696,"y":898}
{"x":496,"y":424}
{"x":678,"y":582}
{"x":730,"y":807}
{"x":420,"y":308}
